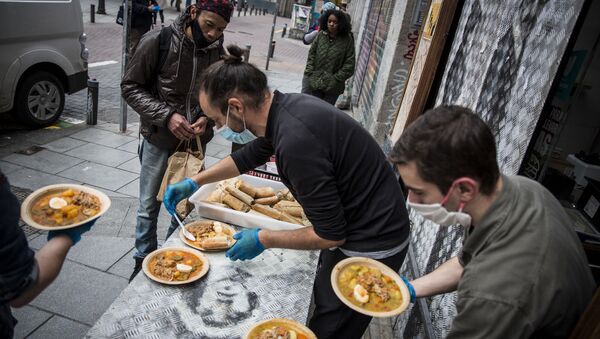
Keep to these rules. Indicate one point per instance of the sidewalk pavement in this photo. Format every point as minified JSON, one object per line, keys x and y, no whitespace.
{"x":97,"y":268}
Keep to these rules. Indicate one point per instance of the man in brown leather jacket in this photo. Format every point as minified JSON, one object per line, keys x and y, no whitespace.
{"x":167,"y":101}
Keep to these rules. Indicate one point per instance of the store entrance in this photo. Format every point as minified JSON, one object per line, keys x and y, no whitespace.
{"x":564,"y":154}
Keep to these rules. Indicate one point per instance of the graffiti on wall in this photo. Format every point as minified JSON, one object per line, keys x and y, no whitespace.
{"x":370,"y":56}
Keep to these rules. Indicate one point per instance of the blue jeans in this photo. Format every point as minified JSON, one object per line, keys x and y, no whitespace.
{"x":153,"y":162}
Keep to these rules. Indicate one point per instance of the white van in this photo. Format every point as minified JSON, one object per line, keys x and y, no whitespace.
{"x":42,"y":57}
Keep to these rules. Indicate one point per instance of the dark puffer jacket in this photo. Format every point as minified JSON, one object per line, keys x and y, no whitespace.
{"x":156,"y":94}
{"x":330,"y":63}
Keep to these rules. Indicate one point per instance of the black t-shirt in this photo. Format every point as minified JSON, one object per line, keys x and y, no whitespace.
{"x":336,"y":171}
{"x":18,"y":268}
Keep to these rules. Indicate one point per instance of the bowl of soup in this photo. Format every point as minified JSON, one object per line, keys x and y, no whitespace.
{"x":369,"y":287}
{"x":175,"y":265}
{"x":279,"y":328}
{"x":63,"y":206}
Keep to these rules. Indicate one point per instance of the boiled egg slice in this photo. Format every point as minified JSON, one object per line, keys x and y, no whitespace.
{"x":184,"y":268}
{"x":361,"y":294}
{"x":57,"y":203}
{"x":218,"y":227}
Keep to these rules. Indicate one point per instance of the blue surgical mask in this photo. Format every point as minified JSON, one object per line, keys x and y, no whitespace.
{"x":242,"y":137}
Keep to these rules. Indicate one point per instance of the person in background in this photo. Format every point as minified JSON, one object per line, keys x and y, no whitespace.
{"x":330,"y":58}
{"x":161,"y":4}
{"x":332,"y":166}
{"x":162,"y":87}
{"x":141,"y":21}
{"x":24,"y":274}
{"x":522,"y":272}
{"x":309,"y":37}
{"x":178,"y":4}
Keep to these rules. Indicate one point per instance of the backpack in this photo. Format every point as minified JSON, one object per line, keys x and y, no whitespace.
{"x":164,"y":44}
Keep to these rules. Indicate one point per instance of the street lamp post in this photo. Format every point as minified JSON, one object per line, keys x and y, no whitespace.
{"x":101,"y":7}
{"x":124,"y":50}
{"x":271,"y":37}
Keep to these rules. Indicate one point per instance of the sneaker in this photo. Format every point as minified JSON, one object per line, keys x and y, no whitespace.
{"x":137,"y":268}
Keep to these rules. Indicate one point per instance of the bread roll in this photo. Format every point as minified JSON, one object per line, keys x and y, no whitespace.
{"x":245,"y":198}
{"x":235,"y":203}
{"x":288,"y":218}
{"x":246,"y":188}
{"x":267,"y":201}
{"x":267,"y":210}
{"x":218,"y":242}
{"x":264,"y":192}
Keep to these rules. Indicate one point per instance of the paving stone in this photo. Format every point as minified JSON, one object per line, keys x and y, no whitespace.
{"x":132,"y":189}
{"x":99,"y":175}
{"x":59,"y":327}
{"x":131,"y":146}
{"x":112,"y":222}
{"x":103,"y":137}
{"x":80,"y":293}
{"x":63,"y":144}
{"x":132,"y":129}
{"x":132,"y":165}
{"x":96,"y":251}
{"x":32,"y":179}
{"x":32,"y":236}
{"x":46,"y":161}
{"x":29,"y":319}
{"x":7,"y":167}
{"x":162,"y":225}
{"x":111,"y":194}
{"x":124,"y":266}
{"x":101,"y":154}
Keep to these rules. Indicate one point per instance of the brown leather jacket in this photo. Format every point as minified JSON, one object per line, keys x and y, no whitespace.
{"x":156,"y":94}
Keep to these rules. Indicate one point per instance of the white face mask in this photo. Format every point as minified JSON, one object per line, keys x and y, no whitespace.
{"x":440,"y":215}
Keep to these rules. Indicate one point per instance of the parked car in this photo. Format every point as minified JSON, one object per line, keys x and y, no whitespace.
{"x":42,"y":57}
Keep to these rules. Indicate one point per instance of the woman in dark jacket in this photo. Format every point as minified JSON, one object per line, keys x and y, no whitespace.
{"x":331,"y":57}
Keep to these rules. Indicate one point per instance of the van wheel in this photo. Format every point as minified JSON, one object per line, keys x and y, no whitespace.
{"x":40,"y":99}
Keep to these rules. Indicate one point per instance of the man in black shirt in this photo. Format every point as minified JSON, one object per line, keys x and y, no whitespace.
{"x":23,"y":273}
{"x":332,"y":166}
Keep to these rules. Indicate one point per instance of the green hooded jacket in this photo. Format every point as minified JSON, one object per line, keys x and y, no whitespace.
{"x":330,"y":63}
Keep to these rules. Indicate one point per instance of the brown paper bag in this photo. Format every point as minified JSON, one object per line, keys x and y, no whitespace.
{"x":181,"y":165}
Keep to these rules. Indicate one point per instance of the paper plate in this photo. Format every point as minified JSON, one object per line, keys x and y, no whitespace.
{"x":337,"y":269}
{"x":291,"y":324}
{"x":197,"y":246}
{"x":28,"y":202}
{"x":203,"y":271}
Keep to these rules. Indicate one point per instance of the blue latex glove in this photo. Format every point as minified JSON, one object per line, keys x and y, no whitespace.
{"x":73,"y":233}
{"x":247,"y":245}
{"x":411,"y":289}
{"x":156,"y":8}
{"x":177,"y":192}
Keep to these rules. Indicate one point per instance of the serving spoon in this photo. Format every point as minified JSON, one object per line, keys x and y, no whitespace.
{"x":186,"y":233}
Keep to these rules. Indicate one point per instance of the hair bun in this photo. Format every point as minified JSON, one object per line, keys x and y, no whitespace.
{"x":234,"y":55}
